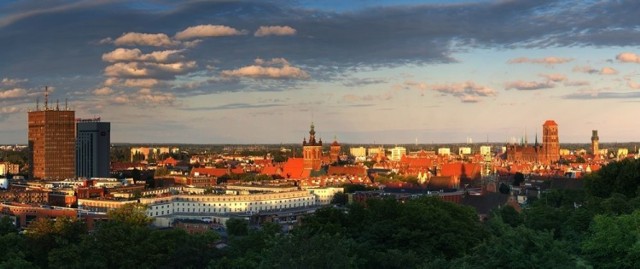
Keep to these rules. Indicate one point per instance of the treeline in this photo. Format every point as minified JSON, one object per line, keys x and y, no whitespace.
{"x":598,"y":227}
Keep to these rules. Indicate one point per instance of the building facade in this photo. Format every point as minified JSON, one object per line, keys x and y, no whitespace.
{"x":52,"y":143}
{"x":595,"y":143}
{"x":547,"y":153}
{"x":312,"y":151}
{"x":92,"y":148}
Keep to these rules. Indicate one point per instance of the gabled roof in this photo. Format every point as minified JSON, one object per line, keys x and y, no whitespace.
{"x":347,"y":170}
{"x":293,"y":168}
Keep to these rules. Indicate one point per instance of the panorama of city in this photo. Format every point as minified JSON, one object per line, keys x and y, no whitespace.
{"x":319,"y":134}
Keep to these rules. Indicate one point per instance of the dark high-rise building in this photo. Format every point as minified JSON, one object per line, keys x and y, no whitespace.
{"x":92,"y":148}
{"x":52,"y":142}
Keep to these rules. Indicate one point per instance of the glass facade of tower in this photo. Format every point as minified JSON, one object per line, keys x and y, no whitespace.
{"x":92,"y":148}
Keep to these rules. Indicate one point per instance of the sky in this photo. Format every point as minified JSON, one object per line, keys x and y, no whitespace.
{"x":363,"y":71}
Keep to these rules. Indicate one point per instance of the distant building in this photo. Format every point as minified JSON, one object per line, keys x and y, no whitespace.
{"x":397,"y":153}
{"x":595,"y":149}
{"x":9,"y":168}
{"x":312,"y":151}
{"x":548,"y":152}
{"x":359,"y":153}
{"x":92,"y":148}
{"x":444,"y":151}
{"x":622,"y":153}
{"x":485,"y":150}
{"x":464,"y":151}
{"x":334,"y":151}
{"x":52,"y":142}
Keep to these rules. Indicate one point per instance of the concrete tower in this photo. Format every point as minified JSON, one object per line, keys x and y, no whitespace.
{"x":52,"y":142}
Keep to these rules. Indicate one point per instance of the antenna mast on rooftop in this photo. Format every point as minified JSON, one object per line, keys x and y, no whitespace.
{"x":46,"y":97}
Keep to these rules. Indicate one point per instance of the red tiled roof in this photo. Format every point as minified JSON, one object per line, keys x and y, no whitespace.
{"x":347,"y":170}
{"x":550,"y":123}
{"x":169,"y":161}
{"x":293,"y":168}
{"x":468,"y":170}
{"x":269,"y":170}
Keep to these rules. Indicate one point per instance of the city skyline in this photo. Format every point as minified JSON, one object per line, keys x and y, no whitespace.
{"x":362,"y":71}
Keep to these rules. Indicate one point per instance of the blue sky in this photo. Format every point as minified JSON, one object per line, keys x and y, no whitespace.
{"x":364,"y":71}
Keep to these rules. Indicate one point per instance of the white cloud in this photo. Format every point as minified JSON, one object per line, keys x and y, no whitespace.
{"x":131,"y":69}
{"x":103,"y":91}
{"x":126,"y":55}
{"x":147,"y":70}
{"x":528,"y":85}
{"x":9,"y":110}
{"x":13,"y":93}
{"x":276,"y":68}
{"x":275,"y":30}
{"x":467,"y":92}
{"x":585,"y":69}
{"x":207,"y":30}
{"x":415,"y":85}
{"x":120,"y":55}
{"x":554,"y":77}
{"x":10,"y":82}
{"x":176,"y":68}
{"x":590,"y":70}
{"x":141,"y":83}
{"x":632,"y":84}
{"x":547,"y":60}
{"x":146,"y":96}
{"x":142,"y":39}
{"x":608,"y":71}
{"x":577,"y":83}
{"x":628,"y":57}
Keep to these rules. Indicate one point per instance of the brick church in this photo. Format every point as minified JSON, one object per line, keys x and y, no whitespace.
{"x":547,"y":153}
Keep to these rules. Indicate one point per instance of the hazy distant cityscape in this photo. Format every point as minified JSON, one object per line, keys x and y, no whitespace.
{"x":319,"y":134}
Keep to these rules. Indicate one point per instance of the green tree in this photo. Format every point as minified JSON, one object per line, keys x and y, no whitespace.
{"x":518,"y":178}
{"x":161,"y":171}
{"x":237,"y":227}
{"x":134,"y":214}
{"x":614,"y":241}
{"x":7,"y":226}
{"x":517,"y":247}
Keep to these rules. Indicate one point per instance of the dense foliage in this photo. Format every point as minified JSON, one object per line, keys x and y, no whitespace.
{"x":598,"y":227}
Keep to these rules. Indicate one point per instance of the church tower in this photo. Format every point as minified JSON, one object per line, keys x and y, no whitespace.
{"x":334,"y":152}
{"x":550,"y":142}
{"x":312,"y":151}
{"x":595,"y":149}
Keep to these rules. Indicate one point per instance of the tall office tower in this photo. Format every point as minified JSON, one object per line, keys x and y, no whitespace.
{"x":550,"y":142}
{"x":52,"y":142}
{"x":595,"y":147}
{"x":92,"y":148}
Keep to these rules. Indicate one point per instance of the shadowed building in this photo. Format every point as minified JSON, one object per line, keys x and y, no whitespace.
{"x":52,"y":142}
{"x":595,"y":149}
{"x":92,"y":148}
